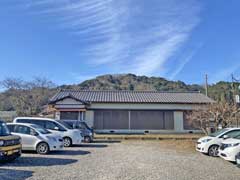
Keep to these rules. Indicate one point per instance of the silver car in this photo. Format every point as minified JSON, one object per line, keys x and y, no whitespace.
{"x":36,"y":138}
{"x":70,"y":136}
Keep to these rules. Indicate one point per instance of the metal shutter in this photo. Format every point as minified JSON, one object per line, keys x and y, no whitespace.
{"x":111,"y":119}
{"x":168,"y":120}
{"x":152,"y":120}
{"x":139,"y":119}
{"x":98,"y":120}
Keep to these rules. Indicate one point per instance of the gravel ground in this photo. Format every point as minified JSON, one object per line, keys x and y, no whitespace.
{"x":128,"y":160}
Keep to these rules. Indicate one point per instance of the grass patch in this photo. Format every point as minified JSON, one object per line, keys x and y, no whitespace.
{"x":184,"y":146}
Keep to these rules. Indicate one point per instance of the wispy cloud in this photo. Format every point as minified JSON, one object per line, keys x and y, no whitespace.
{"x":153,"y":59}
{"x":184,"y":61}
{"x":135,"y":36}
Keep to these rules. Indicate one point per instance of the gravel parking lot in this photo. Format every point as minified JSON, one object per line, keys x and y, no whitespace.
{"x":128,"y":160}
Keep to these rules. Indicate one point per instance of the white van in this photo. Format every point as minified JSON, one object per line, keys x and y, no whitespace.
{"x":70,"y":136}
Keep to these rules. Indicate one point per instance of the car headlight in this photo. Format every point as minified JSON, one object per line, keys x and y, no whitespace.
{"x":206,"y":140}
{"x":2,"y":153}
{"x":1,"y":142}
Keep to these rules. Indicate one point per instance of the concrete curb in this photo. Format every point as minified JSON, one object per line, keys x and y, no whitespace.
{"x":156,"y":138}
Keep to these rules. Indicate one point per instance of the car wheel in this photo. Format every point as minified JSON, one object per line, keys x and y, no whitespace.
{"x":87,"y":139}
{"x":213,"y":151}
{"x":42,"y":148}
{"x":67,"y":142}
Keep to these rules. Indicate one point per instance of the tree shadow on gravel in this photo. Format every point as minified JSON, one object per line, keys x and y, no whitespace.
{"x":11,"y":174}
{"x":70,"y":152}
{"x":91,"y":145}
{"x":63,"y":152}
{"x":40,"y":161}
{"x":107,"y":141}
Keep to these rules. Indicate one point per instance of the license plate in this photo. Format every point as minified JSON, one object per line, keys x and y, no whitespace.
{"x":9,"y":152}
{"x":16,"y":150}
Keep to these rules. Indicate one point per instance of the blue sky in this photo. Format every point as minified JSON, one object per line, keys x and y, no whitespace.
{"x":69,"y":41}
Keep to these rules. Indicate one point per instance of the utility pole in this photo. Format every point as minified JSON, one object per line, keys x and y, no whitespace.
{"x":206,"y":84}
{"x":235,"y":94}
{"x":234,"y":90}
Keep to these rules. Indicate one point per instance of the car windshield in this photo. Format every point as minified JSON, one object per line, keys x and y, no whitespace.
{"x":78,"y":125}
{"x":40,"y":129}
{"x":4,"y":131}
{"x":83,"y":124}
{"x":217,"y":133}
{"x":65,"y":124}
{"x":236,"y":137}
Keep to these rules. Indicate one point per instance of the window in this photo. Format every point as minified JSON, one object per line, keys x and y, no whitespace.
{"x":217,"y":133}
{"x":82,"y":125}
{"x":38,"y":122}
{"x":24,"y":121}
{"x":232,"y":133}
{"x":11,"y":128}
{"x":53,"y":126}
{"x":4,"y":131}
{"x":31,"y":121}
{"x":40,"y":129}
{"x":69,"y":115}
{"x":82,"y":115}
{"x":22,"y":129}
{"x":66,"y":125}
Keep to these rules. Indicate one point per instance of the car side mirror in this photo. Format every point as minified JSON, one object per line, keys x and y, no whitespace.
{"x":225,"y":137}
{"x":56,"y":128}
{"x":34,"y":133}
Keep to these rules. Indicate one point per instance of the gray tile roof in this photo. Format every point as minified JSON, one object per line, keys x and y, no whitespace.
{"x":132,"y":97}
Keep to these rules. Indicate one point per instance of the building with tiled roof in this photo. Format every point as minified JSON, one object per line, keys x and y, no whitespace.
{"x":129,"y":111}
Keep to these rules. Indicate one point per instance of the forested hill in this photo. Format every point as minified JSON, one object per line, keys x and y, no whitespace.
{"x":27,"y":98}
{"x":221,"y":91}
{"x":133,"y":82}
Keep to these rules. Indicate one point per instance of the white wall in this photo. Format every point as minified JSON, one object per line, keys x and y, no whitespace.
{"x":69,"y":103}
{"x":178,"y":121}
{"x":90,"y":118}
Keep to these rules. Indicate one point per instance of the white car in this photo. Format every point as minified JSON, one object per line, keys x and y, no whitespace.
{"x":229,"y":148}
{"x":70,"y":136}
{"x":36,"y":138}
{"x":210,"y":144}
